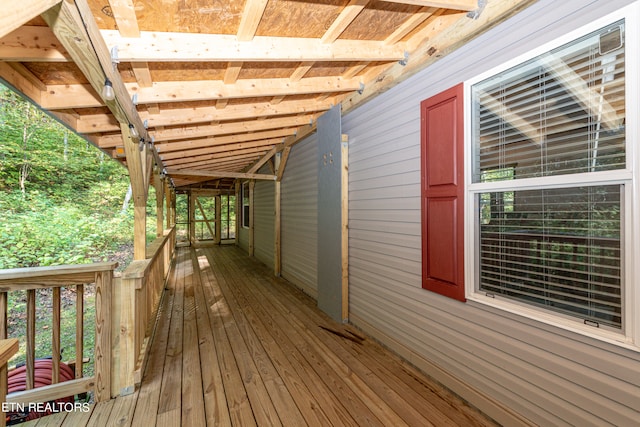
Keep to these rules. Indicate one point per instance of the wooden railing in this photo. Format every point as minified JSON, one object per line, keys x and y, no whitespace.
{"x":56,"y":278}
{"x":125,"y":311}
{"x":138,"y":292}
{"x":7,"y":349}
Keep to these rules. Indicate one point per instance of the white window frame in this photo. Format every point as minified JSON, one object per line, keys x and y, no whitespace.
{"x":629,"y":335}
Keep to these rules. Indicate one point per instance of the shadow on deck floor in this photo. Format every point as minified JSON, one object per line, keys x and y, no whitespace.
{"x":235,"y":346}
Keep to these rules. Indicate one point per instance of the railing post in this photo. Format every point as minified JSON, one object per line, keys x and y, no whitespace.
{"x":104,"y":283}
{"x":7,"y":349}
{"x":127,"y":325}
{"x":132,"y":280}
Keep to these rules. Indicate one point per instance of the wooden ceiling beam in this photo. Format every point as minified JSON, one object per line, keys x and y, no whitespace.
{"x":142,"y":73}
{"x":82,"y":96}
{"x":38,"y":44}
{"x":93,"y":123}
{"x":229,"y":165}
{"x":230,"y":77}
{"x":297,"y":75}
{"x":74,"y":25}
{"x":439,"y":37}
{"x":301,"y":133}
{"x":191,"y":144}
{"x":16,"y":13}
{"x":245,"y":152}
{"x":125,"y":16}
{"x":232,"y":72}
{"x":214,"y":160}
{"x":412,"y":23}
{"x":110,"y":141}
{"x":32,"y":43}
{"x":220,"y":148}
{"x":264,"y":159}
{"x":251,"y":16}
{"x":127,"y":22}
{"x":222,"y":174}
{"x":466,"y":5}
{"x":23,"y":80}
{"x":346,"y":17}
{"x":187,"y":47}
{"x":353,"y":71}
{"x":302,"y":69}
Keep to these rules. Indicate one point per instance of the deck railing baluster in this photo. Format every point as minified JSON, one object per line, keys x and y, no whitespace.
{"x":55,"y":278}
{"x":4,"y":297}
{"x":31,"y":338}
{"x":55,"y":337}
{"x":140,"y":291}
{"x":79,"y":330}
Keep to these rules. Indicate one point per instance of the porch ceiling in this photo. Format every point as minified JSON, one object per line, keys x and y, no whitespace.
{"x":221,"y":87}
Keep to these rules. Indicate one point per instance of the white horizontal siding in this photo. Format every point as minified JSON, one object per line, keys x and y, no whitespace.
{"x":299,"y":212}
{"x":548,"y":375}
{"x":264,"y":224}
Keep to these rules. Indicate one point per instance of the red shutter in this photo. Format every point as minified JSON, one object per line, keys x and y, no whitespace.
{"x":442,"y":168}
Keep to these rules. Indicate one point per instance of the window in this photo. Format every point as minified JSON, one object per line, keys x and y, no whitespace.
{"x":245,"y":204}
{"x":550,"y":184}
{"x":496,"y":205}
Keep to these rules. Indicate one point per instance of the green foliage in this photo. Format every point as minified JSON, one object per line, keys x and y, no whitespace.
{"x":60,"y":197}
{"x":51,"y":235}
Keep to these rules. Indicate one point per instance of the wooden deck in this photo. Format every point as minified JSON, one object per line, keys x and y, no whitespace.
{"x":236,"y":346}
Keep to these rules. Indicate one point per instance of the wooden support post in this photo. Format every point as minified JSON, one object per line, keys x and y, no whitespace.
{"x":102,"y":350}
{"x":283,"y":162}
{"x":345,"y":226}
{"x":252,"y":185}
{"x":217,"y":238}
{"x":173,"y":207}
{"x":116,"y":332}
{"x":159,"y":186}
{"x":127,"y":351}
{"x":137,"y":178}
{"x":277,"y":262}
{"x":7,"y":349}
{"x":192,"y":218}
{"x":167,"y":197}
{"x":238,"y":211}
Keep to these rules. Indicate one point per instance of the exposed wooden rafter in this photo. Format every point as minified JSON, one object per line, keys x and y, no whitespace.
{"x":181,"y":116}
{"x":15,"y":14}
{"x":465,"y":5}
{"x":343,"y":20}
{"x":226,"y":88}
{"x":58,"y":97}
{"x":213,"y":174}
{"x":109,"y":141}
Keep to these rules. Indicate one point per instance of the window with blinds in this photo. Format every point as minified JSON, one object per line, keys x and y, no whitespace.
{"x":556,"y":246}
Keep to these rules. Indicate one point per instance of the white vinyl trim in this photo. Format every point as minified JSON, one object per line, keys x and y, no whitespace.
{"x":629,"y":336}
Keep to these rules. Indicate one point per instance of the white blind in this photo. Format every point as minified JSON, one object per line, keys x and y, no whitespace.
{"x":557,"y":248}
{"x":560,"y":113}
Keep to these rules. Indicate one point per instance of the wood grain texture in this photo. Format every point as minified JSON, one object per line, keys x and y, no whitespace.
{"x":262,"y":356}
{"x":222,"y":56}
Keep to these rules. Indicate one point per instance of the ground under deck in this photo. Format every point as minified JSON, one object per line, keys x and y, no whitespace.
{"x":236,"y":346}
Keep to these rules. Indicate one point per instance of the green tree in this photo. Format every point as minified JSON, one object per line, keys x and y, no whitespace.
{"x":60,"y":197}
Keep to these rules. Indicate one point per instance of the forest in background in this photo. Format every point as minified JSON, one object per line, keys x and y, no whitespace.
{"x":61,"y":198}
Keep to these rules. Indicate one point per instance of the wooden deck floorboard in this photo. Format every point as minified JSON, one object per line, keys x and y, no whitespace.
{"x":235,"y":346}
